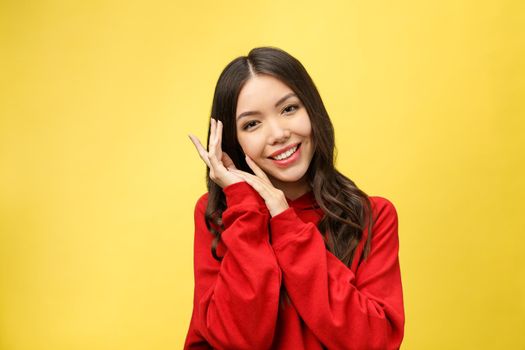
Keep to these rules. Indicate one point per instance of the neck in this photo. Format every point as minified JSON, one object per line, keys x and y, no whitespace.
{"x":292,"y":190}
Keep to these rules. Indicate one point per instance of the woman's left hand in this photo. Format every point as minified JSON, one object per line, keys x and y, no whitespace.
{"x":274,"y":198}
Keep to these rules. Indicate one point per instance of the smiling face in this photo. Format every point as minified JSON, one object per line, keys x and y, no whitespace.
{"x":274,"y":129}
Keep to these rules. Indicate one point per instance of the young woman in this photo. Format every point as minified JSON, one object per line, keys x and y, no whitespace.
{"x":289,"y":253}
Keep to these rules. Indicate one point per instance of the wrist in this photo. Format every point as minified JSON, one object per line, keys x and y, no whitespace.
{"x":279,"y":210}
{"x":242,"y":193}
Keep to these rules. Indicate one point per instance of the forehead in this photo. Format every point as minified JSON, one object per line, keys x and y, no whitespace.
{"x":261,"y":91}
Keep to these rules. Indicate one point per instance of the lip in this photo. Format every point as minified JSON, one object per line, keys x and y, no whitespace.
{"x":288,"y":161}
{"x":276,"y":153}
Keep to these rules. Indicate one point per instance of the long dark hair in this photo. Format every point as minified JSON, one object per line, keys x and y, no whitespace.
{"x":347,"y":209}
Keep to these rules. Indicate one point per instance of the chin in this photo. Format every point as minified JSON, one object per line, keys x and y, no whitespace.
{"x":287,"y":176}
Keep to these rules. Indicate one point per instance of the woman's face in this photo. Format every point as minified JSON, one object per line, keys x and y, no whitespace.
{"x":273,"y":129}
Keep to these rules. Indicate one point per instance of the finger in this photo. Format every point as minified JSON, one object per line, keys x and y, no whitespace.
{"x":257,"y":171}
{"x":240,"y":172}
{"x":219,"y":134}
{"x":218,"y":140}
{"x":212,"y":149}
{"x":253,"y":178}
{"x":215,"y":153}
{"x":212,"y":134}
{"x":227,"y":161}
{"x":200,"y":149}
{"x":216,"y":165}
{"x":257,"y":183}
{"x":197,"y":143}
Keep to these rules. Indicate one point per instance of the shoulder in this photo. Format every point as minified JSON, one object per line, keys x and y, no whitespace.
{"x":382,"y":207}
{"x":385,"y":218}
{"x":201,"y":204}
{"x":203,"y":199}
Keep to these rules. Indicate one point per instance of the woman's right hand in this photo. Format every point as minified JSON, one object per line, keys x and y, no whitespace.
{"x":218,"y":161}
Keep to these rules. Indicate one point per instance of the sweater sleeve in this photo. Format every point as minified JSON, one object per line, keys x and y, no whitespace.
{"x":344,"y":310}
{"x":235,"y":300}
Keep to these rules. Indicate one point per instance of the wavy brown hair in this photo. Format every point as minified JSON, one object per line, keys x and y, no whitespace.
{"x":347,"y":209}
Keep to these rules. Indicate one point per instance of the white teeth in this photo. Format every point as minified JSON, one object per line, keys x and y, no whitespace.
{"x":286,"y":154}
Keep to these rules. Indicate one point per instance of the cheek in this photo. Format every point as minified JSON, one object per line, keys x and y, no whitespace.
{"x":251,"y":146}
{"x":303,"y":126}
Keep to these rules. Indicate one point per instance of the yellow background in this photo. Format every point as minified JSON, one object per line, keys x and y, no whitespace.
{"x":98,"y":179}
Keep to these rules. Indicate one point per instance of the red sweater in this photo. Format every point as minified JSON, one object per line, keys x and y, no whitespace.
{"x":240,"y":303}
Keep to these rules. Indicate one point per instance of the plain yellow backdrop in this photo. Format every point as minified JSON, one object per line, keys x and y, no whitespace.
{"x":98,"y":179}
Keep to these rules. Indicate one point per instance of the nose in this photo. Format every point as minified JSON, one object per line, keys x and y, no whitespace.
{"x":278,"y":132}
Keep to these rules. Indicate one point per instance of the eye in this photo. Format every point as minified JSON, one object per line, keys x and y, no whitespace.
{"x":290,"y":109}
{"x":249,"y":125}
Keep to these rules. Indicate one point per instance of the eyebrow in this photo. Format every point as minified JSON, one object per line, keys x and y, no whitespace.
{"x":281,"y":100}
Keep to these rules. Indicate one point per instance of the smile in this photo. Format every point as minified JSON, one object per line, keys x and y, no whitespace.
{"x":287,"y":154}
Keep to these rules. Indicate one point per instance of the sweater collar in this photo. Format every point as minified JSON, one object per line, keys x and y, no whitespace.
{"x":305,"y":201}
